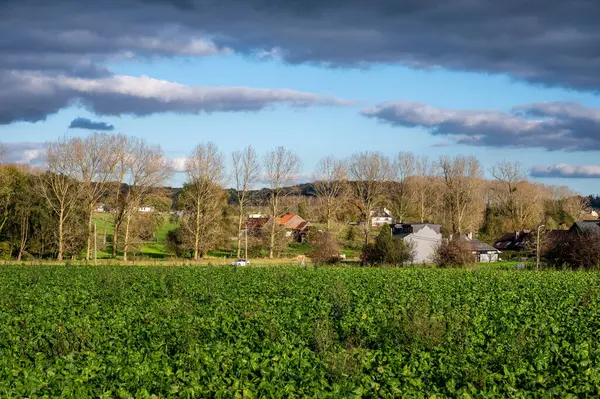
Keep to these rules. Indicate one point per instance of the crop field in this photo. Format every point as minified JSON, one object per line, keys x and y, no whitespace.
{"x":191,"y":332}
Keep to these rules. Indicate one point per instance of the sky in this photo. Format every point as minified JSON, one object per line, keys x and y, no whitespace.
{"x":513,"y":80}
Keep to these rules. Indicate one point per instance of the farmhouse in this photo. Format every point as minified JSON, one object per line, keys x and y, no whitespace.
{"x":424,"y":236}
{"x":296,"y":226}
{"x":484,"y":253}
{"x":380,"y":217}
{"x":514,"y":241}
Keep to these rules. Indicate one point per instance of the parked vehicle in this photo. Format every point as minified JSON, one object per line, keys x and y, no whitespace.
{"x":241,"y":262}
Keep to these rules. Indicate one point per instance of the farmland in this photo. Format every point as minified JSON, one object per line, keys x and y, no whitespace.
{"x":135,"y":332}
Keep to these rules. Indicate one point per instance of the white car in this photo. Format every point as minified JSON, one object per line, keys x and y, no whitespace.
{"x":240,"y":262}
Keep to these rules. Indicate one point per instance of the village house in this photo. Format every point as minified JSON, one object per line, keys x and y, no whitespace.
{"x":425,"y":238}
{"x":515,"y":241}
{"x":484,"y":253}
{"x":146,"y":209}
{"x":295,"y":226}
{"x":381,"y":216}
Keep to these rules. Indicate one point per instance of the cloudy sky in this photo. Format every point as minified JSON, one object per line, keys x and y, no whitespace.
{"x":513,"y":79}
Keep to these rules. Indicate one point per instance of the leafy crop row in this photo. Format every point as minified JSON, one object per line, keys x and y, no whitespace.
{"x":214,"y":332}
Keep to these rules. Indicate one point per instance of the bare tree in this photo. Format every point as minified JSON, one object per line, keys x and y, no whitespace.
{"x":94,"y":160}
{"x":573,"y":204}
{"x":281,"y":167}
{"x":520,"y":200}
{"x":425,"y":188}
{"x":146,"y":169}
{"x":330,"y":184}
{"x":205,"y":173}
{"x":402,"y":190}
{"x":122,"y":154}
{"x":246,"y":170}
{"x":462,"y":178}
{"x":370,"y":173}
{"x":58,"y":188}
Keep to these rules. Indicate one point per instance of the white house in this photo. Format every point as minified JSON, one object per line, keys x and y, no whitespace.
{"x":483,"y":253}
{"x":425,"y":238}
{"x":380,"y":217}
{"x":100,"y":209}
{"x":146,"y":209}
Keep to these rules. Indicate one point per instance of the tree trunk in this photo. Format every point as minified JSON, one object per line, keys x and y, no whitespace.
{"x":197,"y":231}
{"x":126,"y":240}
{"x":61,"y":222}
{"x":328,"y":214}
{"x":367,"y":224}
{"x":24,"y":236}
{"x":239,"y":236}
{"x":272,"y":240}
{"x":115,"y":239}
{"x":89,"y":232}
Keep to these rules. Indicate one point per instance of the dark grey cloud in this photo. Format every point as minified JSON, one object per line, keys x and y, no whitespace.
{"x":566,"y":171}
{"x":85,"y":123}
{"x":552,"y":126}
{"x":550,"y":42}
{"x":31,"y":96}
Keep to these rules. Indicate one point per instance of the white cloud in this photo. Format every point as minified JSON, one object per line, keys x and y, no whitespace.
{"x":566,"y":171}
{"x":553,"y":126}
{"x":31,"y":96}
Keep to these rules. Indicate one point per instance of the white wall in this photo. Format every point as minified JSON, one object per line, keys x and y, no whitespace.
{"x":425,"y":242}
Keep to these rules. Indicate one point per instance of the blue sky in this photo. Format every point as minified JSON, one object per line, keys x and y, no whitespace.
{"x":487,"y":90}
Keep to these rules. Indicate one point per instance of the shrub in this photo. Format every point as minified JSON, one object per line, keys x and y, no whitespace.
{"x":453,"y":253}
{"x":387,"y":250}
{"x":575,"y":250}
{"x":326,"y":249}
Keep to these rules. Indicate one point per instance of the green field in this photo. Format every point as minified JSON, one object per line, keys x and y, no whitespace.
{"x":141,"y":332}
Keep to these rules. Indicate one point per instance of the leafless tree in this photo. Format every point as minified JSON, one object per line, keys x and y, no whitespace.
{"x":246,"y":171}
{"x":370,"y":174}
{"x":330,"y":184}
{"x":520,"y":200}
{"x":94,"y":160}
{"x":572,"y":203}
{"x":425,"y":187}
{"x":123,"y":154}
{"x":462,"y":177}
{"x":58,"y":188}
{"x":146,"y":169}
{"x":281,"y":167}
{"x":402,"y":190}
{"x":205,"y":170}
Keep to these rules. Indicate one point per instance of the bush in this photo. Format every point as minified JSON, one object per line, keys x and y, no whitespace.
{"x":453,"y":253}
{"x":387,"y":250}
{"x":326,"y":249}
{"x":574,"y":250}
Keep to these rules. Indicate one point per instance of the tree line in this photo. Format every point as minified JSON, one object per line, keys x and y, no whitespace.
{"x":49,"y":212}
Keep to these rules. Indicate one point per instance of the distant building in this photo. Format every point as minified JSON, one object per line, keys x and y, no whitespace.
{"x":425,"y":237}
{"x":484,"y":253}
{"x":514,"y":241}
{"x":382,"y":216}
{"x":296,"y":226}
{"x":146,"y":209}
{"x":100,"y":209}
